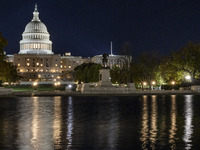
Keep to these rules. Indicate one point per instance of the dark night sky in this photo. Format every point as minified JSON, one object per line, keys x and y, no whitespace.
{"x":86,"y":27}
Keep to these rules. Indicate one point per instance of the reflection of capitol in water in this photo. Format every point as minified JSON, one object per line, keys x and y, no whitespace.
{"x":42,"y":126}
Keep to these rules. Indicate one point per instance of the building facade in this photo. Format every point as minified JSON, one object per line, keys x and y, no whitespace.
{"x":36,"y":60}
{"x":112,"y":60}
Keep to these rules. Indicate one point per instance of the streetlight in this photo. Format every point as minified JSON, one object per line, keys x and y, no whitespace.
{"x":143,"y":84}
{"x":153,"y":83}
{"x":188,"y":77}
{"x":173,"y":83}
{"x":57,"y":84}
{"x":69,"y":86}
{"x":35,"y":84}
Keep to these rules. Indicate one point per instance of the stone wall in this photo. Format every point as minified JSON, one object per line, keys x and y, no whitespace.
{"x":86,"y":89}
{"x":195,"y":88}
{"x":5,"y":91}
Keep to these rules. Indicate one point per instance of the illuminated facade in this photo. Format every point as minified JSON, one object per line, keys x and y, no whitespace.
{"x":42,"y":67}
{"x":35,"y":38}
{"x":35,"y":60}
{"x":68,"y":63}
{"x":112,"y":60}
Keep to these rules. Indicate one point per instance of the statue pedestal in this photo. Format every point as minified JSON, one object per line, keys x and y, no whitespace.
{"x":104,"y":85}
{"x":79,"y":87}
{"x":104,"y":78}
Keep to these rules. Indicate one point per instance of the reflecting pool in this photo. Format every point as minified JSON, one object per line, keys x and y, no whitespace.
{"x":135,"y":122}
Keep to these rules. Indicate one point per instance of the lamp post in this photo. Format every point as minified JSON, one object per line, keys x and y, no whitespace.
{"x":188,"y":79}
{"x":153,"y":84}
{"x":143,"y":84}
{"x":35,"y":84}
{"x":55,"y":84}
{"x":173,"y":83}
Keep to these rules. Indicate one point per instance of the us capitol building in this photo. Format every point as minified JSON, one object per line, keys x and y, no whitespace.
{"x":36,"y":60}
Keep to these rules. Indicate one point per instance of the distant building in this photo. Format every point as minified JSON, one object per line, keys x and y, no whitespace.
{"x":68,"y":63}
{"x":36,"y":60}
{"x":112,"y":60}
{"x":10,"y":58}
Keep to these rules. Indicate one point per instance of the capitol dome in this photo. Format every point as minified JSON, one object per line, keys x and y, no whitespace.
{"x":35,"y":27}
{"x":35,"y":38}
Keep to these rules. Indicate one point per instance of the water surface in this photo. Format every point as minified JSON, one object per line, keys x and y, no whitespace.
{"x":137,"y":122}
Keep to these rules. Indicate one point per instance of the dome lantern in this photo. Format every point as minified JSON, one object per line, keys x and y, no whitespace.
{"x":36,"y":14}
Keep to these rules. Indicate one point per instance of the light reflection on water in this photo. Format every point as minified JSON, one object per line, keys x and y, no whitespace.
{"x":57,"y":123}
{"x":173,"y":126}
{"x":113,"y":127}
{"x":146,"y":122}
{"x":145,"y":126}
{"x":34,"y":129}
{"x":35,"y":124}
{"x":188,"y":128}
{"x":153,"y":129}
{"x":69,"y":122}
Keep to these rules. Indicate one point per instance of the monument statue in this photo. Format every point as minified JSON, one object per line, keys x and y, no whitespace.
{"x":105,"y":60}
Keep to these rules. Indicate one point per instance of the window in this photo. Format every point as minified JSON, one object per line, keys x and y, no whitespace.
{"x":18,"y":65}
{"x":69,"y":67}
{"x":28,"y":64}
